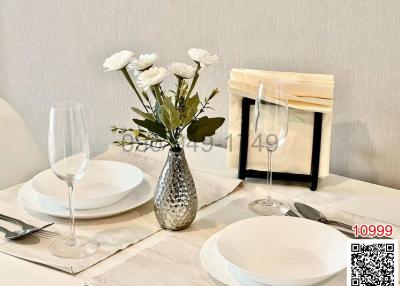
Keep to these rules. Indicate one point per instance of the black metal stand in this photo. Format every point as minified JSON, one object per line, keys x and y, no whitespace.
{"x":243,"y":172}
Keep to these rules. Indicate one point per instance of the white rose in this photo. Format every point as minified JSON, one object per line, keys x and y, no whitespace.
{"x":118,"y":61}
{"x":182,"y":70}
{"x":152,"y":76}
{"x":202,"y":56}
{"x":144,"y":62}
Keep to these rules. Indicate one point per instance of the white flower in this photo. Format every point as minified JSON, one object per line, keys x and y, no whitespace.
{"x":202,"y":56}
{"x":118,"y":61}
{"x":143,"y":62}
{"x":182,"y":70}
{"x":152,"y":76}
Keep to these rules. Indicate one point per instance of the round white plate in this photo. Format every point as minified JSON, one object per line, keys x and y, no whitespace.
{"x":140,"y":195}
{"x":104,"y":183}
{"x":280,"y":250}
{"x":218,"y":268}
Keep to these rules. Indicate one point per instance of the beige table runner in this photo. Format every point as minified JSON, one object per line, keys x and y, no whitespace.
{"x":176,"y":259}
{"x":113,"y":233}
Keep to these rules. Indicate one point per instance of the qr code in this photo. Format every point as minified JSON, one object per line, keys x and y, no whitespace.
{"x":372,"y":262}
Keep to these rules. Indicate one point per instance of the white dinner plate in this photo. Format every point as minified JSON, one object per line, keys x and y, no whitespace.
{"x":104,"y":183}
{"x":140,"y":195}
{"x":218,"y":268}
{"x":278,"y":250}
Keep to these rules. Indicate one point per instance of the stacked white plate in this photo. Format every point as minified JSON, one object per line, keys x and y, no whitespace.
{"x":274,"y":250}
{"x":107,"y":188}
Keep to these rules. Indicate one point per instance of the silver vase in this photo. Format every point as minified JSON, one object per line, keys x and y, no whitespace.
{"x":175,"y":199}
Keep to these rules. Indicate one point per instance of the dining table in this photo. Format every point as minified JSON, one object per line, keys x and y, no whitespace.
{"x":173,"y":258}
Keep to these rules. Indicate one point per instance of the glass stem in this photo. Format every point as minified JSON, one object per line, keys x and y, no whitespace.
{"x":269,"y":178}
{"x":71,"y":200}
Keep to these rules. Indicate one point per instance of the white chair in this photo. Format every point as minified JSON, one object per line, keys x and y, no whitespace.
{"x":20,"y":156}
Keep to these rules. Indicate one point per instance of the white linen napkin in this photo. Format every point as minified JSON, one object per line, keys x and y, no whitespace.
{"x":309,"y":93}
{"x":113,"y":233}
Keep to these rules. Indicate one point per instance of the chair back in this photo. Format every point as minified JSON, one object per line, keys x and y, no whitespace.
{"x":20,"y":156}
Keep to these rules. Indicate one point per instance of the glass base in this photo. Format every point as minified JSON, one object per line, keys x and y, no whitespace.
{"x":74,"y":248}
{"x":263,"y":207}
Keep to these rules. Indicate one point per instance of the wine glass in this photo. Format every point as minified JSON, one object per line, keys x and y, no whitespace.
{"x":271,"y":126}
{"x":68,"y":158}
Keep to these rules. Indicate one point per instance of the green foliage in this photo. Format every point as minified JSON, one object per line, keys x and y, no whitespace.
{"x":184,"y":88}
{"x":149,"y":116}
{"x":200,"y":128}
{"x":157,"y":111}
{"x":214,"y":92}
{"x":152,"y":126}
{"x":169,"y":116}
{"x":190,"y":109}
{"x":145,"y":96}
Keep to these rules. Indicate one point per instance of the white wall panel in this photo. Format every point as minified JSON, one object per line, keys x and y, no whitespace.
{"x":53,"y":50}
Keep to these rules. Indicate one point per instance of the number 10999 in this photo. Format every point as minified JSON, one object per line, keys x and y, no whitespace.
{"x":373,"y":230}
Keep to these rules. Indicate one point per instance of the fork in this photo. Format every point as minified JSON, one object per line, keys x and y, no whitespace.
{"x":22,"y":233}
{"x":293,"y":214}
{"x":27,"y":228}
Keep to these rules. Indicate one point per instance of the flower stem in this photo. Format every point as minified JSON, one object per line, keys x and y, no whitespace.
{"x":178,"y":91}
{"x":194,"y":81}
{"x":157,"y":93}
{"x":128,"y":78}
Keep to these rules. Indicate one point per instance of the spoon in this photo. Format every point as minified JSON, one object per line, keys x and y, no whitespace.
{"x":19,"y":234}
{"x":313,"y":214}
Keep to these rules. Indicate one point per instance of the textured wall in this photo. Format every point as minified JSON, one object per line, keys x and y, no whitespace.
{"x":53,"y":50}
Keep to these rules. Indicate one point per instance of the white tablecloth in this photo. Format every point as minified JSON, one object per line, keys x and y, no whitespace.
{"x":334,"y":192}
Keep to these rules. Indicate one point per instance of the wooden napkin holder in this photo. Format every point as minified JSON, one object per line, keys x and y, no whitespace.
{"x":243,"y":172}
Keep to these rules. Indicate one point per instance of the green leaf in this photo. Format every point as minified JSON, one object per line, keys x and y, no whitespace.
{"x":204,"y":126}
{"x":145,"y":115}
{"x":169,"y":115}
{"x":214,"y":92}
{"x":190,"y":109}
{"x":154,"y":127}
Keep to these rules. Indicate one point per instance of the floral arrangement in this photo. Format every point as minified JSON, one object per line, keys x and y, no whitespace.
{"x":166,"y":114}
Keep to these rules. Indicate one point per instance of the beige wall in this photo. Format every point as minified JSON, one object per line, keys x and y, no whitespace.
{"x":53,"y":50}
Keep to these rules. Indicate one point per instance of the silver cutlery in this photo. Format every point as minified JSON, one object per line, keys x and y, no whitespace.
{"x":27,"y":229}
{"x":313,"y":214}
{"x":19,"y":234}
{"x":293,"y":214}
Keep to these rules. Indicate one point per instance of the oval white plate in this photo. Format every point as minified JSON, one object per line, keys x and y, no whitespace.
{"x":140,"y":195}
{"x":104,"y":183}
{"x":281,"y":250}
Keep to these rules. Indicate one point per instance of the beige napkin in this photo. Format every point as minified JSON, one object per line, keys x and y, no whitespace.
{"x":176,"y":259}
{"x":113,"y":233}
{"x":308,"y":93}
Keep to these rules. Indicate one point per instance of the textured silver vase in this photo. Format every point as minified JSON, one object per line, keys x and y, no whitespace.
{"x":175,"y":199}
